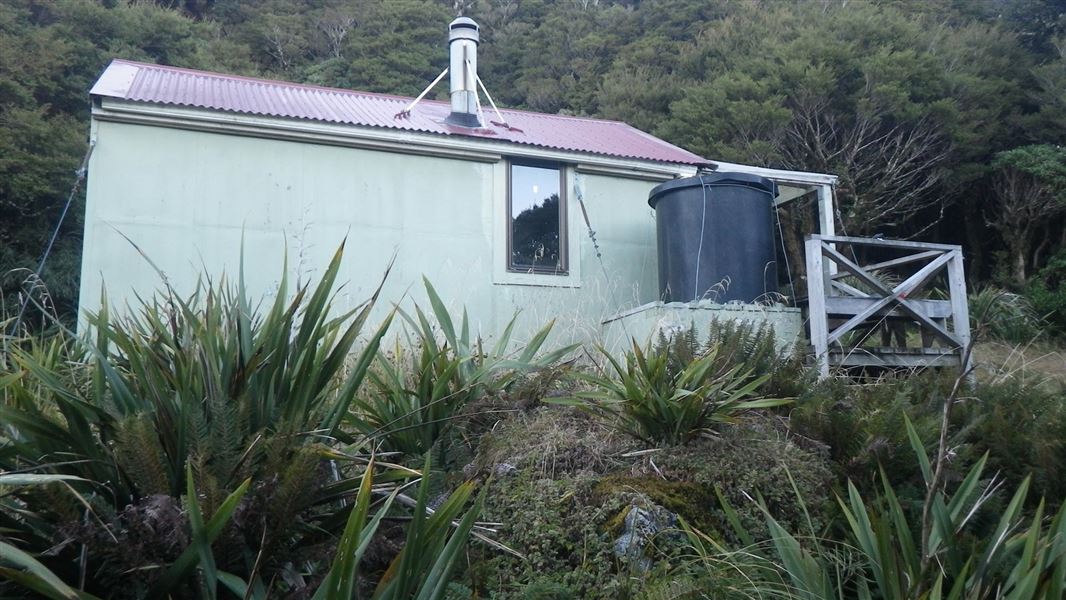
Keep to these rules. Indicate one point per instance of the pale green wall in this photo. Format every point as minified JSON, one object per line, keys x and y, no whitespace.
{"x":186,"y":197}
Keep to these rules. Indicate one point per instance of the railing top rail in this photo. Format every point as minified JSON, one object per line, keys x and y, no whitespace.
{"x":902,"y":245}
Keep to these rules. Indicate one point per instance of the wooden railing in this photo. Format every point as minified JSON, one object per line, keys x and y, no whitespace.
{"x":850,"y":302}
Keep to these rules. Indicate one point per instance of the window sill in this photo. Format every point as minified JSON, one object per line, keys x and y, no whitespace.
{"x":537,"y":279}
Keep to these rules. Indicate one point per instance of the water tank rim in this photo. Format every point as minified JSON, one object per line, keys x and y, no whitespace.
{"x":714,"y":179}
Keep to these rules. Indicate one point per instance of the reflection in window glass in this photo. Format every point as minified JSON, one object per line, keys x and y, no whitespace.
{"x":536,"y":223}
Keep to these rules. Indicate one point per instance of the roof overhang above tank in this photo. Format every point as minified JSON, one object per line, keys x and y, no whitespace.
{"x":791,"y":184}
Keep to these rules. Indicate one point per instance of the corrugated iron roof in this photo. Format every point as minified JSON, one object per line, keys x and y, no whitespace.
{"x":165,"y":85}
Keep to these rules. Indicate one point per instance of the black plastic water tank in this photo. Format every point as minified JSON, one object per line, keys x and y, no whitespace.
{"x":715,"y":237}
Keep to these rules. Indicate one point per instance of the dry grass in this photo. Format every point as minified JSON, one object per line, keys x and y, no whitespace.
{"x":1035,"y":362}
{"x":553,"y":442}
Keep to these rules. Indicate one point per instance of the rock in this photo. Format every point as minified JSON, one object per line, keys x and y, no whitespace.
{"x":504,"y":469}
{"x":639,"y":529}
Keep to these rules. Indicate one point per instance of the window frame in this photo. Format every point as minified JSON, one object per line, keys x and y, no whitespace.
{"x":564,"y":269}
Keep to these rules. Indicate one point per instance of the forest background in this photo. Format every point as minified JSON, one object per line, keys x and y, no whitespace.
{"x":944,"y":119}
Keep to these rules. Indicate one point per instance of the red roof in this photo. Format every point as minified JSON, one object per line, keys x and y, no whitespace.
{"x":158,"y":84}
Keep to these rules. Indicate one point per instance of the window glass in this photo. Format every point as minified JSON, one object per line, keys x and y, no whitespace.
{"x":536,"y":236}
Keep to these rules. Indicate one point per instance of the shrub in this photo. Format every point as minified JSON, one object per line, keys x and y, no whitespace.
{"x":421,"y":569}
{"x":1003,"y":315}
{"x":1022,"y":427}
{"x":1047,"y":293}
{"x":864,"y":425}
{"x":559,"y":530}
{"x":754,"y":459}
{"x":661,"y":398}
{"x":187,"y":447}
{"x":748,"y":347}
{"x":416,"y":395}
{"x":890,"y":552}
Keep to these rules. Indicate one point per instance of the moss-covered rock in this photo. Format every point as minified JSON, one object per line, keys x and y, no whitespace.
{"x":552,"y":442}
{"x":756,"y":459}
{"x":564,"y":503}
{"x":559,"y":532}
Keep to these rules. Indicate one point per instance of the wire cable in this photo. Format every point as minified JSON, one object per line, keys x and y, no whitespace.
{"x":784,"y":251}
{"x":80,"y":173}
{"x":596,"y":246}
{"x":699,"y":251}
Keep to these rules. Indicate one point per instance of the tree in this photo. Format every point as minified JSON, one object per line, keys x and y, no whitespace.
{"x":1030,"y":191}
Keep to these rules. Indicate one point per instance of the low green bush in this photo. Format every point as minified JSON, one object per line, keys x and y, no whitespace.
{"x":663,"y":399}
{"x":558,"y":527}
{"x":996,"y":313}
{"x":941,"y":550}
{"x":1021,"y":425}
{"x":1047,"y":293}
{"x":754,"y":459}
{"x":418,"y":391}
{"x":748,"y":347}
{"x":864,"y":425}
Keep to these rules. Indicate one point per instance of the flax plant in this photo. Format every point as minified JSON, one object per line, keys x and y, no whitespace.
{"x":884,"y":555}
{"x":658,"y":403}
{"x":417,"y":391}
{"x":205,"y":390}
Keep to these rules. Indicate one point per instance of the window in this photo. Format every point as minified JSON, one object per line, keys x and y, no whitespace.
{"x":536,"y":223}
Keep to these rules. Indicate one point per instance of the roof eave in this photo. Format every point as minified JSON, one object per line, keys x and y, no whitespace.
{"x":395,"y":140}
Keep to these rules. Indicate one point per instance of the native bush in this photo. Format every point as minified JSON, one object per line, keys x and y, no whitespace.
{"x":196,"y":442}
{"x":747,"y":346}
{"x":661,"y":398}
{"x":891,"y":552}
{"x":418,"y":391}
{"x":1021,"y":425}
{"x":433,"y":544}
{"x":996,"y":313}
{"x":562,"y":529}
{"x":756,"y":458}
{"x":864,"y":428}
{"x":1047,"y":293}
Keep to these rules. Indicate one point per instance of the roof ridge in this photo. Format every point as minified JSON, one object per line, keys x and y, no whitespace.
{"x":261,"y":80}
{"x":345,"y":91}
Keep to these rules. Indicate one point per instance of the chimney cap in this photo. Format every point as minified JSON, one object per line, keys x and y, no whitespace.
{"x":464,"y":28}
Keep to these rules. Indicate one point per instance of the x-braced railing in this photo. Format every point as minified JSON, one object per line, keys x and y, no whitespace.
{"x":884,"y":295}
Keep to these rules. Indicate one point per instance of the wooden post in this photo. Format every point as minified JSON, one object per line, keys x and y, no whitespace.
{"x":960,"y":308}
{"x":826,"y":218}
{"x":816,"y":292}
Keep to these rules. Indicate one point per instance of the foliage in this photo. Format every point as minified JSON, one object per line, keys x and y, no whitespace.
{"x":558,"y":526}
{"x":1047,"y":293}
{"x":422,"y":569}
{"x":416,"y":395}
{"x":747,"y":346}
{"x":864,"y":425}
{"x":1033,"y":446}
{"x":996,"y":313}
{"x":188,"y":398}
{"x":753,"y":459}
{"x":864,"y":428}
{"x":881,"y":556}
{"x":659,"y":400}
{"x":1030,"y":190}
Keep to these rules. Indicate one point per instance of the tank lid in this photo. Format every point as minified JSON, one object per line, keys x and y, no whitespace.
{"x":712,"y":179}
